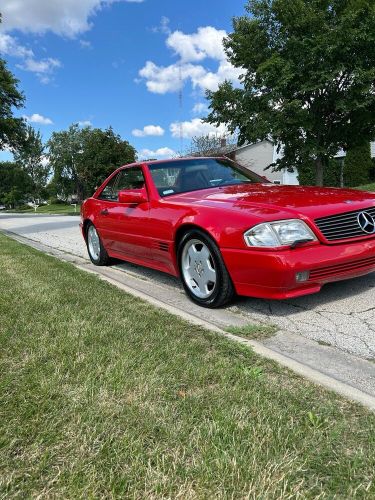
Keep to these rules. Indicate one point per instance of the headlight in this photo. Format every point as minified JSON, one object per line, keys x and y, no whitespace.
{"x":278,"y":233}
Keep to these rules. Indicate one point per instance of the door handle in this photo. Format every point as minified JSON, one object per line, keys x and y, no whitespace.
{"x":104,"y":212}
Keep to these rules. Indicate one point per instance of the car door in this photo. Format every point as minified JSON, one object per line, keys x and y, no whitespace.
{"x":125,"y":228}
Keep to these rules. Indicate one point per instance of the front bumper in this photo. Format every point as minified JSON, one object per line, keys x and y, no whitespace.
{"x":272,"y":274}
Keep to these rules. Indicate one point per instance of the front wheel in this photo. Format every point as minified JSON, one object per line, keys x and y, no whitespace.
{"x":203,"y":272}
{"x":97,"y":253}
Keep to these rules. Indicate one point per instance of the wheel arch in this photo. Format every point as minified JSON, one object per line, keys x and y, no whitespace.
{"x":226,"y":288}
{"x":85,"y":224}
{"x":183,"y":229}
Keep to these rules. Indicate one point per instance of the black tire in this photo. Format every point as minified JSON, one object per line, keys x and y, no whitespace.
{"x":102,"y":258}
{"x":223,"y":290}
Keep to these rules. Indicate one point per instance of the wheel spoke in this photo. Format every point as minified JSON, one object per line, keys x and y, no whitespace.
{"x":204,"y":253}
{"x":192,"y":252}
{"x":210,"y":275}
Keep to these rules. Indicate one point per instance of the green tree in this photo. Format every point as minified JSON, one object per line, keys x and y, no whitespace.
{"x":82,"y":158}
{"x":31,"y":158}
{"x":103,"y":151}
{"x":308,"y":72}
{"x":15,"y":184}
{"x":11,"y":128}
{"x":357,"y":165}
{"x":332,"y":175}
{"x":64,"y":151}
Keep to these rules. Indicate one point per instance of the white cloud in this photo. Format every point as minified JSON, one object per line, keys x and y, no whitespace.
{"x":163,"y":79}
{"x":153,"y":130}
{"x":158,"y":154}
{"x":63,"y":17}
{"x":199,"y":108}
{"x":10,"y":46}
{"x":85,"y":123}
{"x":196,"y":127}
{"x":37,"y":118}
{"x":43,"y":68}
{"x":206,"y":43}
{"x":163,"y":27}
{"x":211,"y":81}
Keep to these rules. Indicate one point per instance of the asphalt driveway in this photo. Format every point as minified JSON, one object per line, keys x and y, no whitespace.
{"x":341,"y":315}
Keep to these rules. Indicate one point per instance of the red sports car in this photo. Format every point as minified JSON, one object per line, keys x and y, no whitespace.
{"x":225,"y":230}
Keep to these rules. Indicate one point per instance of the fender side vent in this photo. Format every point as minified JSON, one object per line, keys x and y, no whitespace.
{"x":163,"y":246}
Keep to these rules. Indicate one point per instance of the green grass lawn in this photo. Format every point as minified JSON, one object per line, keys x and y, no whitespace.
{"x":368,"y":187}
{"x":104,"y":396}
{"x":57,"y":208}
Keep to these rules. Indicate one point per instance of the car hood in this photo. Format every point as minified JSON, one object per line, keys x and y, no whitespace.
{"x":281,"y":201}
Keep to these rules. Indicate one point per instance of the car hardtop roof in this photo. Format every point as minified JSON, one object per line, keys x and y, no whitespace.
{"x":156,"y":162}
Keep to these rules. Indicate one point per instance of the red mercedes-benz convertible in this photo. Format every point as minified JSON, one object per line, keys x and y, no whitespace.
{"x":225,"y":230}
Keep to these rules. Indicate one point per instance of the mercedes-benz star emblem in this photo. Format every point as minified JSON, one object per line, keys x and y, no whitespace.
{"x":366,"y":222}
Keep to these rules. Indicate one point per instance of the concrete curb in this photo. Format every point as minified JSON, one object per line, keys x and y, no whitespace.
{"x":315,"y":376}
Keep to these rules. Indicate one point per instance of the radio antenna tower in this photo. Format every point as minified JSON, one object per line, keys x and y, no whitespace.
{"x":180,"y":101}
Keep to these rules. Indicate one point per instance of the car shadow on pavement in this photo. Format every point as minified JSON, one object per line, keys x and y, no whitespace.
{"x":351,"y":295}
{"x":344,"y":291}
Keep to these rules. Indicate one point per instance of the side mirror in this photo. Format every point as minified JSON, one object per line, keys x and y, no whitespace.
{"x":132,"y":196}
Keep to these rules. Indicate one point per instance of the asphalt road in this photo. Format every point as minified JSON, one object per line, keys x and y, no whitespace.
{"x":341,"y":315}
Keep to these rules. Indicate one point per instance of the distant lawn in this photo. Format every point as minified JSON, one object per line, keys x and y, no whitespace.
{"x":368,"y":187}
{"x":58,"y":209}
{"x":104,"y":396}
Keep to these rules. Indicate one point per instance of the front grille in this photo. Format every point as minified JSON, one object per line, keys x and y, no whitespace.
{"x":343,"y":226}
{"x":347,"y":268}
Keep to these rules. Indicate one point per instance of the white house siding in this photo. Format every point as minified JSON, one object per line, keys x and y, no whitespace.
{"x":342,"y":154}
{"x":257,"y":157}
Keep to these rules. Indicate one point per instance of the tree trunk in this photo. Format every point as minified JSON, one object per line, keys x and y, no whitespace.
{"x":80,"y":192}
{"x":319,"y":171}
{"x":342,"y":173}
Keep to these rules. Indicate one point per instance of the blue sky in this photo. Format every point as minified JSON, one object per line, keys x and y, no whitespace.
{"x":119,"y":63}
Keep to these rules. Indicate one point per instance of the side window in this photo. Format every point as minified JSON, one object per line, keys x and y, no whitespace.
{"x":130,"y":178}
{"x":109,"y":192}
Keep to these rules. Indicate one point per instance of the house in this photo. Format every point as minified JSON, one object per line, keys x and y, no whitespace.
{"x":258,"y":156}
{"x":341,"y":154}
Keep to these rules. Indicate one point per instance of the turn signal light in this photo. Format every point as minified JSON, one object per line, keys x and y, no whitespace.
{"x":302,"y":276}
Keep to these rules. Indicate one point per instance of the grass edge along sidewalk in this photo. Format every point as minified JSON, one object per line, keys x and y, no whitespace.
{"x":54,"y":209}
{"x":103,"y":395}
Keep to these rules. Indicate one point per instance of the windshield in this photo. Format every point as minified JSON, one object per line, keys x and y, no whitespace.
{"x":181,"y":176}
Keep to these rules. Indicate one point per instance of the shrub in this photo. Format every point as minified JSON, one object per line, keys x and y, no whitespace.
{"x":357,"y":166}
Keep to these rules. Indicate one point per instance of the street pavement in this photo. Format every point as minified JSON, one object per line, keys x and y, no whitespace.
{"x":342,"y":315}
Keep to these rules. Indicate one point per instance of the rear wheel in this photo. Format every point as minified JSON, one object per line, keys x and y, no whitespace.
{"x":97,"y":253}
{"x":203,"y":272}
